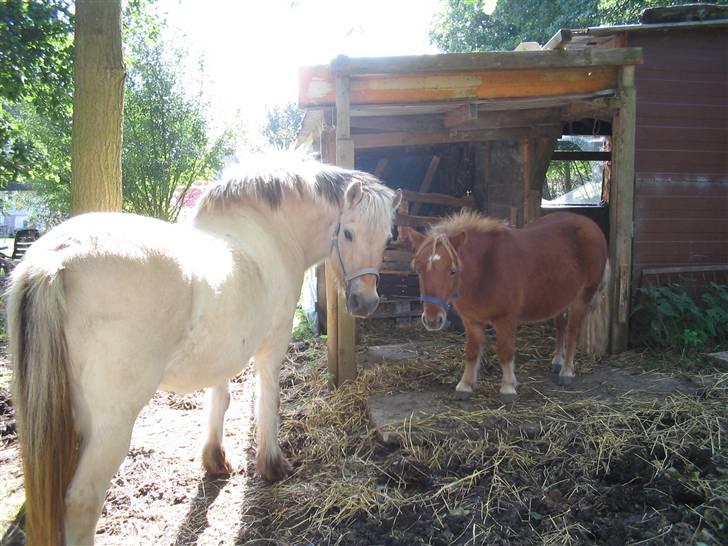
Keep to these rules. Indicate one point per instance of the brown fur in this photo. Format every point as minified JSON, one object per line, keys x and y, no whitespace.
{"x":46,"y":431}
{"x":552,"y":267}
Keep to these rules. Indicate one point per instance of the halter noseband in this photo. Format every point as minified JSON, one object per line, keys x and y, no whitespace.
{"x":455,"y":261}
{"x":348,"y":277}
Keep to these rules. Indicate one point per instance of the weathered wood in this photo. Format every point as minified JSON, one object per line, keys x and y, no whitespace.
{"x":414,"y":221}
{"x":318,"y":88}
{"x":432,"y":122}
{"x":599,"y":108}
{"x":559,"y":40}
{"x":621,"y":207}
{"x":391,"y":140}
{"x":501,"y":60}
{"x":461,"y":114}
{"x":426,"y":181}
{"x":379,"y":169}
{"x":328,"y":155}
{"x":581,"y":156}
{"x":346,"y":324}
{"x":438,"y":199}
{"x":505,"y":119}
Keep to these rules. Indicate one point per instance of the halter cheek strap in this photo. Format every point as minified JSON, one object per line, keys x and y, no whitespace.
{"x":348,"y":277}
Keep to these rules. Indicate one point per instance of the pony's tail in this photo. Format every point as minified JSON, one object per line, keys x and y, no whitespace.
{"x":46,"y":431}
{"x":594,"y":337}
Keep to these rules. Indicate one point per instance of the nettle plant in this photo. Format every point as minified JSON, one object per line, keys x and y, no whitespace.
{"x":672,"y":318}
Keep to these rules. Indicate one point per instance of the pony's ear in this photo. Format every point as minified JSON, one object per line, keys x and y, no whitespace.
{"x":397,"y":199}
{"x":414,"y":237}
{"x":353,"y":193}
{"x":458,"y":240}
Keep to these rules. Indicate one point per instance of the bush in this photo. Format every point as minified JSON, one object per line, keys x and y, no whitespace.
{"x":669,"y":317}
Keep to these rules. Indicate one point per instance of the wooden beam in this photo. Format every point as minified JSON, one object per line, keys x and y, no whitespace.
{"x":559,"y":40}
{"x":461,"y":115}
{"x":317,"y":85}
{"x":379,"y":169}
{"x":426,"y":181}
{"x":621,"y":210}
{"x":500,"y":60}
{"x":398,"y":123}
{"x":506,"y":119}
{"x":391,"y":140}
{"x":438,"y":199}
{"x":346,"y":326}
{"x":600,"y":108}
{"x":581,"y":156}
{"x":414,"y":221}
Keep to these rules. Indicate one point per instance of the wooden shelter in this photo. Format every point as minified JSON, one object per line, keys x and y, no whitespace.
{"x":499,"y":114}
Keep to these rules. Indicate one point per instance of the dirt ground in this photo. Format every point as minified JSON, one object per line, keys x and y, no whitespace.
{"x":569,"y":467}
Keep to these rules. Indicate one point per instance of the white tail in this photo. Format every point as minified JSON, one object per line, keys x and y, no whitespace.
{"x":46,"y":431}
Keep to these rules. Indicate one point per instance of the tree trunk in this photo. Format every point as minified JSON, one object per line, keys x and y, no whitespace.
{"x":98,"y":104}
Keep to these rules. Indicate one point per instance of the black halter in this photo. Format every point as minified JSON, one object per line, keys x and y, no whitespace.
{"x":348,"y":277}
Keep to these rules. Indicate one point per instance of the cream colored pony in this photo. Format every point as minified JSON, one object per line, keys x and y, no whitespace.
{"x":108,"y":308}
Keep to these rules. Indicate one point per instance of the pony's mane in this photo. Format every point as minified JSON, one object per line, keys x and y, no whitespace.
{"x":271,"y":184}
{"x":466,"y":221}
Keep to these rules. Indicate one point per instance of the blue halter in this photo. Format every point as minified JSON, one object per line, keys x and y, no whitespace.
{"x":437,"y":301}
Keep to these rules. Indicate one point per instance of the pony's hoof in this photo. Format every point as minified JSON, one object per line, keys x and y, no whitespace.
{"x":555,"y":367}
{"x":274,"y":469}
{"x":215,"y":463}
{"x":566,"y":380}
{"x":463,"y":395}
{"x":508,"y":398}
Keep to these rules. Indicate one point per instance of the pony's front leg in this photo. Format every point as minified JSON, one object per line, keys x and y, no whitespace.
{"x":270,"y":462}
{"x":474,"y":344}
{"x":505,"y":333}
{"x":560,"y":326}
{"x":213,"y":453}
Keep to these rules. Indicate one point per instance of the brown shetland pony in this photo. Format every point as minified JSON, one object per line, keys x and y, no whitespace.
{"x":494,"y":274}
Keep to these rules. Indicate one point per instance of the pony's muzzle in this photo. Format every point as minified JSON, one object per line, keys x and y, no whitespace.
{"x":361,"y":300}
{"x":434,"y":323}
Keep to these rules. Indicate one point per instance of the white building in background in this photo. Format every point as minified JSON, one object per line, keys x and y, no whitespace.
{"x":13,"y":216}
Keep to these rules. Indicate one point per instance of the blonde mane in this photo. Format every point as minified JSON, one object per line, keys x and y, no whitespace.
{"x":272,"y":182}
{"x":466,"y":221}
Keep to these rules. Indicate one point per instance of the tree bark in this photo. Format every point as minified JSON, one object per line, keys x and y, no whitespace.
{"x":98,"y":105}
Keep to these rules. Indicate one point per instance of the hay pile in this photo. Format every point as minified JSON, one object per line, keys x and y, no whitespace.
{"x":636,"y":470}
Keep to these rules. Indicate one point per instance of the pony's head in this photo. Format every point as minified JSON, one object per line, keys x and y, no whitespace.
{"x":359,"y":239}
{"x":438,"y":267}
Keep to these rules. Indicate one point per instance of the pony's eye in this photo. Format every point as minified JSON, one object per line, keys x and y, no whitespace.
{"x":348,"y":235}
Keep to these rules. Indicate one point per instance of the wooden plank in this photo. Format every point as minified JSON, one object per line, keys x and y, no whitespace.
{"x":317,"y":87}
{"x":438,"y":199}
{"x":328,"y":155}
{"x":504,"y":119}
{"x":621,"y":207}
{"x":599,"y":108}
{"x":417,"y":123}
{"x":501,"y":60}
{"x":581,"y":156}
{"x":559,"y":40}
{"x":392,"y":140}
{"x":462,"y":114}
{"x":346,"y":324}
{"x":426,"y":181}
{"x":414,"y":221}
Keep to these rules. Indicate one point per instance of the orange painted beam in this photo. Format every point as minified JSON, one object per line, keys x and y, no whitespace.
{"x":317,"y":87}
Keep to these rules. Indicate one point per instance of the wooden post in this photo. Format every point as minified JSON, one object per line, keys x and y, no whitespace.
{"x":621,"y":209}
{"x":328,"y":155}
{"x":346,"y":355}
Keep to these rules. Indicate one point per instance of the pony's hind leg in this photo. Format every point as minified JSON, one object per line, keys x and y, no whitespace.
{"x":505,"y":333}
{"x":270,"y":462}
{"x":213,"y":453}
{"x":558,"y":360}
{"x":474,"y":343}
{"x":577,"y":312}
{"x":104,"y":443}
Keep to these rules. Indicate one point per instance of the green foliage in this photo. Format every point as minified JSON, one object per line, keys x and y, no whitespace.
{"x":464,"y":26}
{"x":564,"y":176}
{"x":301,"y":328}
{"x":36,"y":52}
{"x":669,"y":317}
{"x":166,"y":144}
{"x":282,"y":125}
